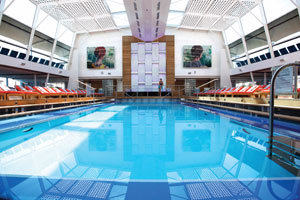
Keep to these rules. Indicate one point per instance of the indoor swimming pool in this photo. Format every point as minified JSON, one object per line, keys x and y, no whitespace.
{"x":130,"y":150}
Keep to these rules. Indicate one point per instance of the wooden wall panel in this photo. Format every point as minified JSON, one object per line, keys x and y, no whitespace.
{"x":170,"y":55}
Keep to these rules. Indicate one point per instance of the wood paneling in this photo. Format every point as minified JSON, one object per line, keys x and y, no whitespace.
{"x":170,"y":58}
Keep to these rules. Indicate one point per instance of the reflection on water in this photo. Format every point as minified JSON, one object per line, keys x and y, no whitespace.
{"x":175,"y":144}
{"x":196,"y":140}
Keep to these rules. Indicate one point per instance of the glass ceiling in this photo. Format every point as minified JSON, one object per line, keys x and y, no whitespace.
{"x":176,"y":13}
{"x":253,"y":20}
{"x":23,"y":11}
{"x":116,"y":6}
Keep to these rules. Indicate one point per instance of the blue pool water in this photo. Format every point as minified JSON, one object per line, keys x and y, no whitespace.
{"x":137,"y":143}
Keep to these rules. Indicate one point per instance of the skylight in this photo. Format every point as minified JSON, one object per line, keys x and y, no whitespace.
{"x":174,"y":18}
{"x":275,"y":10}
{"x":178,"y":5}
{"x":121,"y":19}
{"x":251,"y":23}
{"x":48,"y":26}
{"x":231,"y":35}
{"x":22,"y":11}
{"x":116,"y":6}
{"x":66,"y":36}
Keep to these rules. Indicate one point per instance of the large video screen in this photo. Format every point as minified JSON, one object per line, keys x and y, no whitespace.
{"x":196,"y":56}
{"x":100,"y":57}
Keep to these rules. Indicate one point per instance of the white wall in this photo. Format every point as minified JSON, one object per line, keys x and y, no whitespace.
{"x":108,"y":38}
{"x":189,"y":37}
{"x":114,"y":38}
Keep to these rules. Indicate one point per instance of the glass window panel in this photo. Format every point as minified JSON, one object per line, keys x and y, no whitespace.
{"x":42,"y":45}
{"x":297,"y":34}
{"x":178,"y":5}
{"x":7,"y":2}
{"x":22,"y":11}
{"x":236,"y":28}
{"x":231,"y":35}
{"x":48,"y":26}
{"x":62,"y":30}
{"x":250,"y":23}
{"x":62,"y":51}
{"x":66,"y":37}
{"x":116,"y":5}
{"x":257,"y":43}
{"x":290,"y":24}
{"x":278,"y":8}
{"x":121,"y":19}
{"x":174,"y":18}
{"x":41,"y":17}
{"x":237,"y":51}
{"x":15,"y":33}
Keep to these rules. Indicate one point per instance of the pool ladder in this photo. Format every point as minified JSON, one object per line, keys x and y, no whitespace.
{"x":271,"y":109}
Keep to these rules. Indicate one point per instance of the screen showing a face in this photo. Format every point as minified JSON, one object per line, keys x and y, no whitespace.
{"x":196,"y":56}
{"x":100,"y":57}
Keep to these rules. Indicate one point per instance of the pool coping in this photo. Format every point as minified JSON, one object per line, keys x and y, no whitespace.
{"x":56,"y":117}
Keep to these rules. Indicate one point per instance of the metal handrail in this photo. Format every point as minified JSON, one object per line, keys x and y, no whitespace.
{"x":86,"y":85}
{"x":174,"y":88}
{"x":207,"y":83}
{"x":271,"y":109}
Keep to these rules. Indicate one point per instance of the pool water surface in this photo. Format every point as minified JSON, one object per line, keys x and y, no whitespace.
{"x":160,"y":143}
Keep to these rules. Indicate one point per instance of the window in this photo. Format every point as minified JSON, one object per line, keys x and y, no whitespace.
{"x":174,"y":18}
{"x":178,"y":5}
{"x":41,"y":16}
{"x":278,"y":8}
{"x":116,"y":6}
{"x":22,"y":11}
{"x":231,"y":35}
{"x":252,"y":21}
{"x":48,"y":26}
{"x":121,"y":19}
{"x":20,"y":37}
{"x":65,"y":36}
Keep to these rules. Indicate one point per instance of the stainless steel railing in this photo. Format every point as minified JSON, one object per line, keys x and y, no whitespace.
{"x":271,"y":109}
{"x":135,"y":91}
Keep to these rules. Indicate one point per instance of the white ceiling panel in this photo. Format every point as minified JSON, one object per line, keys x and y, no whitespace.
{"x":80,"y":15}
{"x":100,"y":15}
{"x":215,"y":14}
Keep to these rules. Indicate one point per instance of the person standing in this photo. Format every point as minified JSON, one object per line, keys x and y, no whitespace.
{"x":160,"y":85}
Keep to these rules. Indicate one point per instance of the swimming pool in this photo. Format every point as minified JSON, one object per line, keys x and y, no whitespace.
{"x":182,"y":151}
